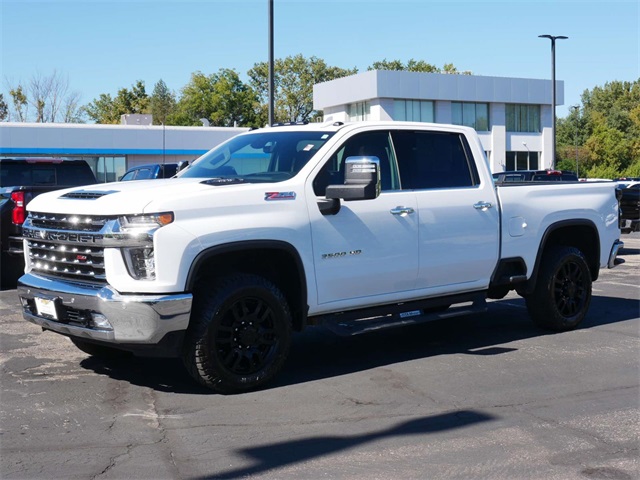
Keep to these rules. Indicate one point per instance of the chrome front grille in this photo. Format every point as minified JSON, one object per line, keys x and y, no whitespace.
{"x":67,"y":246}
{"x":70,"y":261}
{"x":80,"y":223}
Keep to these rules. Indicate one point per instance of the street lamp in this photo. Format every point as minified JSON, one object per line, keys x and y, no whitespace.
{"x":576,"y":109}
{"x":271,"y":69}
{"x":553,"y":92}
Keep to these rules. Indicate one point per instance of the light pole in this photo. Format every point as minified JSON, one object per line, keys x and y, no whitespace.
{"x":576,"y":110}
{"x":553,"y":92}
{"x":271,"y":82}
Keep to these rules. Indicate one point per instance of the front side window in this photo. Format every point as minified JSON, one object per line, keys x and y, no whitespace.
{"x":375,"y":144}
{"x":523,"y":118}
{"x":269,"y":156}
{"x":433,"y":160}
{"x":474,"y":115}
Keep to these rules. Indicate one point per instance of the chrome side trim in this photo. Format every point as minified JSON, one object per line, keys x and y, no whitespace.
{"x":135,"y":318}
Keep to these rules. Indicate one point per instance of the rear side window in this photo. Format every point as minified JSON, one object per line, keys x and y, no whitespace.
{"x":433,"y":160}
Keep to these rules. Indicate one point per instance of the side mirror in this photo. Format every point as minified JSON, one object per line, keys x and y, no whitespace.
{"x":361,"y":180}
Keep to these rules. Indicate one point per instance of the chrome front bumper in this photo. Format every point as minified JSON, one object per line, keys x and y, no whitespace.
{"x":101,"y":313}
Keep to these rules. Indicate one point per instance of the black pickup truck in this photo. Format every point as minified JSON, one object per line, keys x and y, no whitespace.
{"x":516,"y":176}
{"x":22,"y":179}
{"x":630,"y":208}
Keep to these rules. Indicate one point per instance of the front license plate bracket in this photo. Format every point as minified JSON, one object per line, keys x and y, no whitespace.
{"x":47,"y":307}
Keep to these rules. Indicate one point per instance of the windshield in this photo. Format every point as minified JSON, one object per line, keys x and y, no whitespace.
{"x":269,"y":156}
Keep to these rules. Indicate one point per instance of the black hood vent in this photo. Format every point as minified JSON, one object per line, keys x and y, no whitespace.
{"x":87,"y":194}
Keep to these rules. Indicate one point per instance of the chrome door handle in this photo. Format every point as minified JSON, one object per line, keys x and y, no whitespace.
{"x":484,"y":206}
{"x":402,"y":211}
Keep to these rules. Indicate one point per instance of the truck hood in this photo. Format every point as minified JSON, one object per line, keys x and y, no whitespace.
{"x":119,"y":198}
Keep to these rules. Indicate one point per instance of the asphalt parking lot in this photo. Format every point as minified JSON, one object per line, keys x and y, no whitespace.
{"x":487,"y":396}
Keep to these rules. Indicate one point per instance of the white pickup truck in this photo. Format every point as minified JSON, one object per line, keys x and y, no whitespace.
{"x":356,"y":227}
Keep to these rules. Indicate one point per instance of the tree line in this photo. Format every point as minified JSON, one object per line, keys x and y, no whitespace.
{"x":600,"y":138}
{"x":222,"y":98}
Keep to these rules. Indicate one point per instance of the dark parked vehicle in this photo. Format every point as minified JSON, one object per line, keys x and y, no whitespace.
{"x":22,"y":179}
{"x":516,"y":176}
{"x":630,"y":208}
{"x":152,"y":171}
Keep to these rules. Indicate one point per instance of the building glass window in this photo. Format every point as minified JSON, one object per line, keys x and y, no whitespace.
{"x":523,"y":118}
{"x":474,"y":115}
{"x":522,"y":161}
{"x":359,"y":111}
{"x":413,"y":110}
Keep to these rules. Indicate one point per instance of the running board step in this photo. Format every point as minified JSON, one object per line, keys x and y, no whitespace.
{"x":351,"y":326}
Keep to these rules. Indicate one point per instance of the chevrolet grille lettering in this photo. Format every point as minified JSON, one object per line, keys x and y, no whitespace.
{"x":62,"y":236}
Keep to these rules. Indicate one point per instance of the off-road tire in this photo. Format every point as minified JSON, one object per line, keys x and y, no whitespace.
{"x":562,"y":294}
{"x":239,"y":334}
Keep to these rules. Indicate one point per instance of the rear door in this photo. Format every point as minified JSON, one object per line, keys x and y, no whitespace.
{"x":458,"y":215}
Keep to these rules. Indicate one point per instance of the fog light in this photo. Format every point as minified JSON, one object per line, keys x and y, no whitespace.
{"x":100,"y":321}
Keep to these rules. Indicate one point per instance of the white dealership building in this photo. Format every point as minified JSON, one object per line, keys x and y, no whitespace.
{"x":511,"y":115}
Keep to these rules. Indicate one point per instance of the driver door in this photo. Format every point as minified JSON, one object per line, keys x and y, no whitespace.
{"x":370,"y":247}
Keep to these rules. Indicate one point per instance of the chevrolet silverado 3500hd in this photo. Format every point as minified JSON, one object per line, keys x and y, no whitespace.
{"x":356,"y":227}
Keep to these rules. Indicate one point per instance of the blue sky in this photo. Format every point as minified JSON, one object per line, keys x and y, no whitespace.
{"x":102,"y":46}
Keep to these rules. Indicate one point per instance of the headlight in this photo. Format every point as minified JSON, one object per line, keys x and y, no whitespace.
{"x":144,"y":223}
{"x":140,"y":260}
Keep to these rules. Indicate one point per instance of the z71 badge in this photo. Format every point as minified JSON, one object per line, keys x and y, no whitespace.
{"x":270,"y":196}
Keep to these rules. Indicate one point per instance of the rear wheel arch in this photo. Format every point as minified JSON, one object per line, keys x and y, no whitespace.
{"x":580,"y":234}
{"x":277,"y":261}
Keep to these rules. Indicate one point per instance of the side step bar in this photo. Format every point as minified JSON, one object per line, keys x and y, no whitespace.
{"x":397,"y":315}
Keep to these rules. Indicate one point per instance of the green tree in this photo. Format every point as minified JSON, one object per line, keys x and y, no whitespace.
{"x":608,"y":131}
{"x":106,"y":109}
{"x":415,"y":66}
{"x":222,"y":98}
{"x":606,"y":145}
{"x":162,"y":103}
{"x":4,"y":108}
{"x":20,"y":104}
{"x":294,"y":78}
